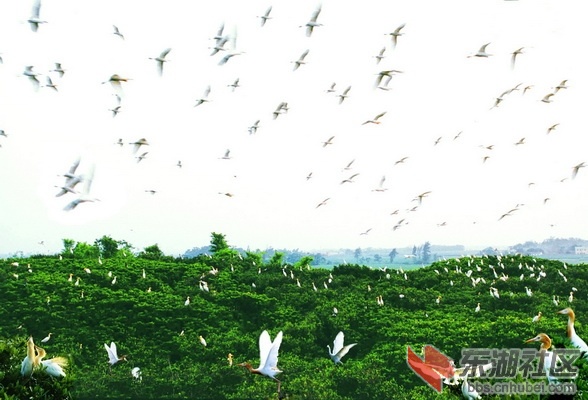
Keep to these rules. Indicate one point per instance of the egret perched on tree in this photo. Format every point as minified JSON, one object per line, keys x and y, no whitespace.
{"x":136,"y":372}
{"x":537,"y":317}
{"x":339,"y":350}
{"x":576,"y":340}
{"x":46,"y":339}
{"x":268,"y":357}
{"x":113,"y":357}
{"x":202,"y":340}
{"x":548,"y":357}
{"x":53,"y":366}
{"x":27,"y":364}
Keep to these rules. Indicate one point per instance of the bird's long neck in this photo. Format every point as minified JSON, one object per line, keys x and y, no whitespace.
{"x":31,"y":349}
{"x":545,"y":344}
{"x":250,"y":368}
{"x":570,"y":328}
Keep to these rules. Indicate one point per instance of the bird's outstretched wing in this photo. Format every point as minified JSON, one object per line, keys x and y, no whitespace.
{"x":338,"y":342}
{"x":112,"y":353}
{"x":272,"y":357}
{"x":265,"y":344}
{"x":341,"y":353}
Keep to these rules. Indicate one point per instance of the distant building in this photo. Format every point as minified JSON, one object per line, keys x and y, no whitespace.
{"x":580,"y":249}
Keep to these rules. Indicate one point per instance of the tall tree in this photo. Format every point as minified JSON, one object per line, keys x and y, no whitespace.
{"x":392,"y":255}
{"x":107,"y":246}
{"x":218,"y":242}
{"x":426,"y":253}
{"x":152,"y":252}
{"x":357,"y":254}
{"x":68,"y":246}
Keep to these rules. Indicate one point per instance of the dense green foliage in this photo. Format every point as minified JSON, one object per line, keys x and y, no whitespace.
{"x":147,"y":324}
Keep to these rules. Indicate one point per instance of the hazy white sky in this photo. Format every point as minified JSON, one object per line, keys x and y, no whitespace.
{"x":440,"y":93}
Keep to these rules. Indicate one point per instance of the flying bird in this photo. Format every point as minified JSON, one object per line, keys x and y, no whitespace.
{"x":386,"y":73}
{"x":113,"y":357}
{"x":350,"y":179}
{"x":142,"y":157}
{"x":344,"y":95}
{"x":395,"y":34}
{"x":339,"y":350}
{"x":514,"y":55}
{"x":49,"y":83}
{"x":117,"y":32}
{"x":34,"y":20}
{"x":85,"y":194}
{"x":300,"y":60}
{"x":59,"y":69}
{"x":376,"y":119}
{"x":380,"y":55}
{"x":562,"y":85}
{"x":281,"y":109}
{"x":234,"y":85}
{"x":322,"y":203}
{"x":576,"y":169}
{"x":204,"y":98}
{"x":268,"y":357}
{"x":381,"y":187}
{"x":253,"y":128}
{"x":311,"y":24}
{"x":482,"y":52}
{"x":115,"y":80}
{"x":547,"y":98}
{"x":32,"y":75}
{"x":137,"y":145}
{"x":161,"y":59}
{"x":329,"y":141}
{"x":265,"y":16}
{"x":552,"y":128}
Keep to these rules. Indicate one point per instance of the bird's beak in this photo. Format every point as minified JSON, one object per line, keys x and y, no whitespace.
{"x":531,"y":340}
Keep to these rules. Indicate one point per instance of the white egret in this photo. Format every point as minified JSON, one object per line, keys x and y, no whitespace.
{"x":202,"y":340}
{"x":268,"y":357}
{"x":136,"y":372}
{"x":576,"y":340}
{"x":46,"y":338}
{"x":53,"y":366}
{"x":26,"y":367}
{"x":339,"y":350}
{"x":537,"y":317}
{"x":113,"y":357}
{"x":548,"y":357}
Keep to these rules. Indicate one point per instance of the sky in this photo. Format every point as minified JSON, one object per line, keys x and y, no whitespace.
{"x":440,"y":116}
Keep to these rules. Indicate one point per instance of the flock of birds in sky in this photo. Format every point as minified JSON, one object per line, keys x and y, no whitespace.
{"x":223,"y":49}
{"x":269,"y":349}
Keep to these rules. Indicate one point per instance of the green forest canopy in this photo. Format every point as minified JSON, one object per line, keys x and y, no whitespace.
{"x":138,"y":301}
